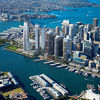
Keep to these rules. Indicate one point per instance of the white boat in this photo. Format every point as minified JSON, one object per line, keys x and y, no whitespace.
{"x":59,"y":66}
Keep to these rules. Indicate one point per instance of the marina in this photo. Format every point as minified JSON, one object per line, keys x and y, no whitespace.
{"x":45,"y":84}
{"x":31,"y":68}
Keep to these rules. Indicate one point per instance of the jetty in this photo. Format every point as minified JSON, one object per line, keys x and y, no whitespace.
{"x":48,"y":62}
{"x":38,"y":60}
{"x":55,"y":64}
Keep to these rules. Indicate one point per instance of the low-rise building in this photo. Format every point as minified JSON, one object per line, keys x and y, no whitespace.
{"x":91,"y":95}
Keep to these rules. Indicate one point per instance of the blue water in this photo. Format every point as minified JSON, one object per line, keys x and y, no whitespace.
{"x":8,"y":24}
{"x":95,"y":1}
{"x":84,"y":15}
{"x":23,"y":67}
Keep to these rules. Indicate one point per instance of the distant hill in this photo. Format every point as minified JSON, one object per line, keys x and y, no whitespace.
{"x":14,"y":6}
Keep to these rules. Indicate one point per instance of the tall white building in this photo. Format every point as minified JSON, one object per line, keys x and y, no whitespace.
{"x":72,"y":31}
{"x":26,"y":36}
{"x":37,"y":27}
{"x":42,"y":39}
{"x":66,"y":47}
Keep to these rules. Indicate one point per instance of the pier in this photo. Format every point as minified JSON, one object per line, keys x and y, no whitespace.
{"x":38,"y":60}
{"x":45,"y":84}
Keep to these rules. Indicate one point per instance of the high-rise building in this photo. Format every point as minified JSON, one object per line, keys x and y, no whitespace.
{"x":72,"y":31}
{"x":42,"y":39}
{"x":58,"y":30}
{"x":88,"y":48}
{"x":26,"y":36}
{"x":58,"y":46}
{"x":37,"y":28}
{"x":65,"y":27}
{"x":49,"y":46}
{"x":81,"y":31}
{"x":90,"y":35}
{"x":66,"y":48}
{"x":86,"y":36}
{"x":96,"y":34}
{"x":76,"y":44}
{"x":95,"y":22}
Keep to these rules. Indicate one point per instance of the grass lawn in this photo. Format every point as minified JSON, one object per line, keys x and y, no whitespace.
{"x":12,"y":91}
{"x":11,"y":47}
{"x":2,"y":41}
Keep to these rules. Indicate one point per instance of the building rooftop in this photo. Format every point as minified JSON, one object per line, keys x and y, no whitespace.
{"x":91,"y":95}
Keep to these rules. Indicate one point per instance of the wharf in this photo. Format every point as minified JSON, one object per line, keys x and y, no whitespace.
{"x":60,"y":66}
{"x":55,"y":64}
{"x":48,"y":62}
{"x":38,"y":60}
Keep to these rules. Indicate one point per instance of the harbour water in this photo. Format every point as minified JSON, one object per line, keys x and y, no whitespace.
{"x":24,"y":67}
{"x":85,"y":15}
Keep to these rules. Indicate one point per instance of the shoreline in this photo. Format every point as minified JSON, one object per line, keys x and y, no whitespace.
{"x":97,"y":75}
{"x":2,"y":44}
{"x":47,"y":59}
{"x":18,"y":52}
{"x":15,"y":86}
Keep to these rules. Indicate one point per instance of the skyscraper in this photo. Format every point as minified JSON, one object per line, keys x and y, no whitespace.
{"x":66,"y":48}
{"x":95,"y":22}
{"x":96,"y":34}
{"x":42,"y":39}
{"x":49,"y":46}
{"x":65,"y":27}
{"x":88,"y":48}
{"x":37,"y":27}
{"x":26,"y":36}
{"x":58,"y":46}
{"x":72,"y":31}
{"x":81,"y":32}
{"x":58,"y":30}
{"x":86,"y":36}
